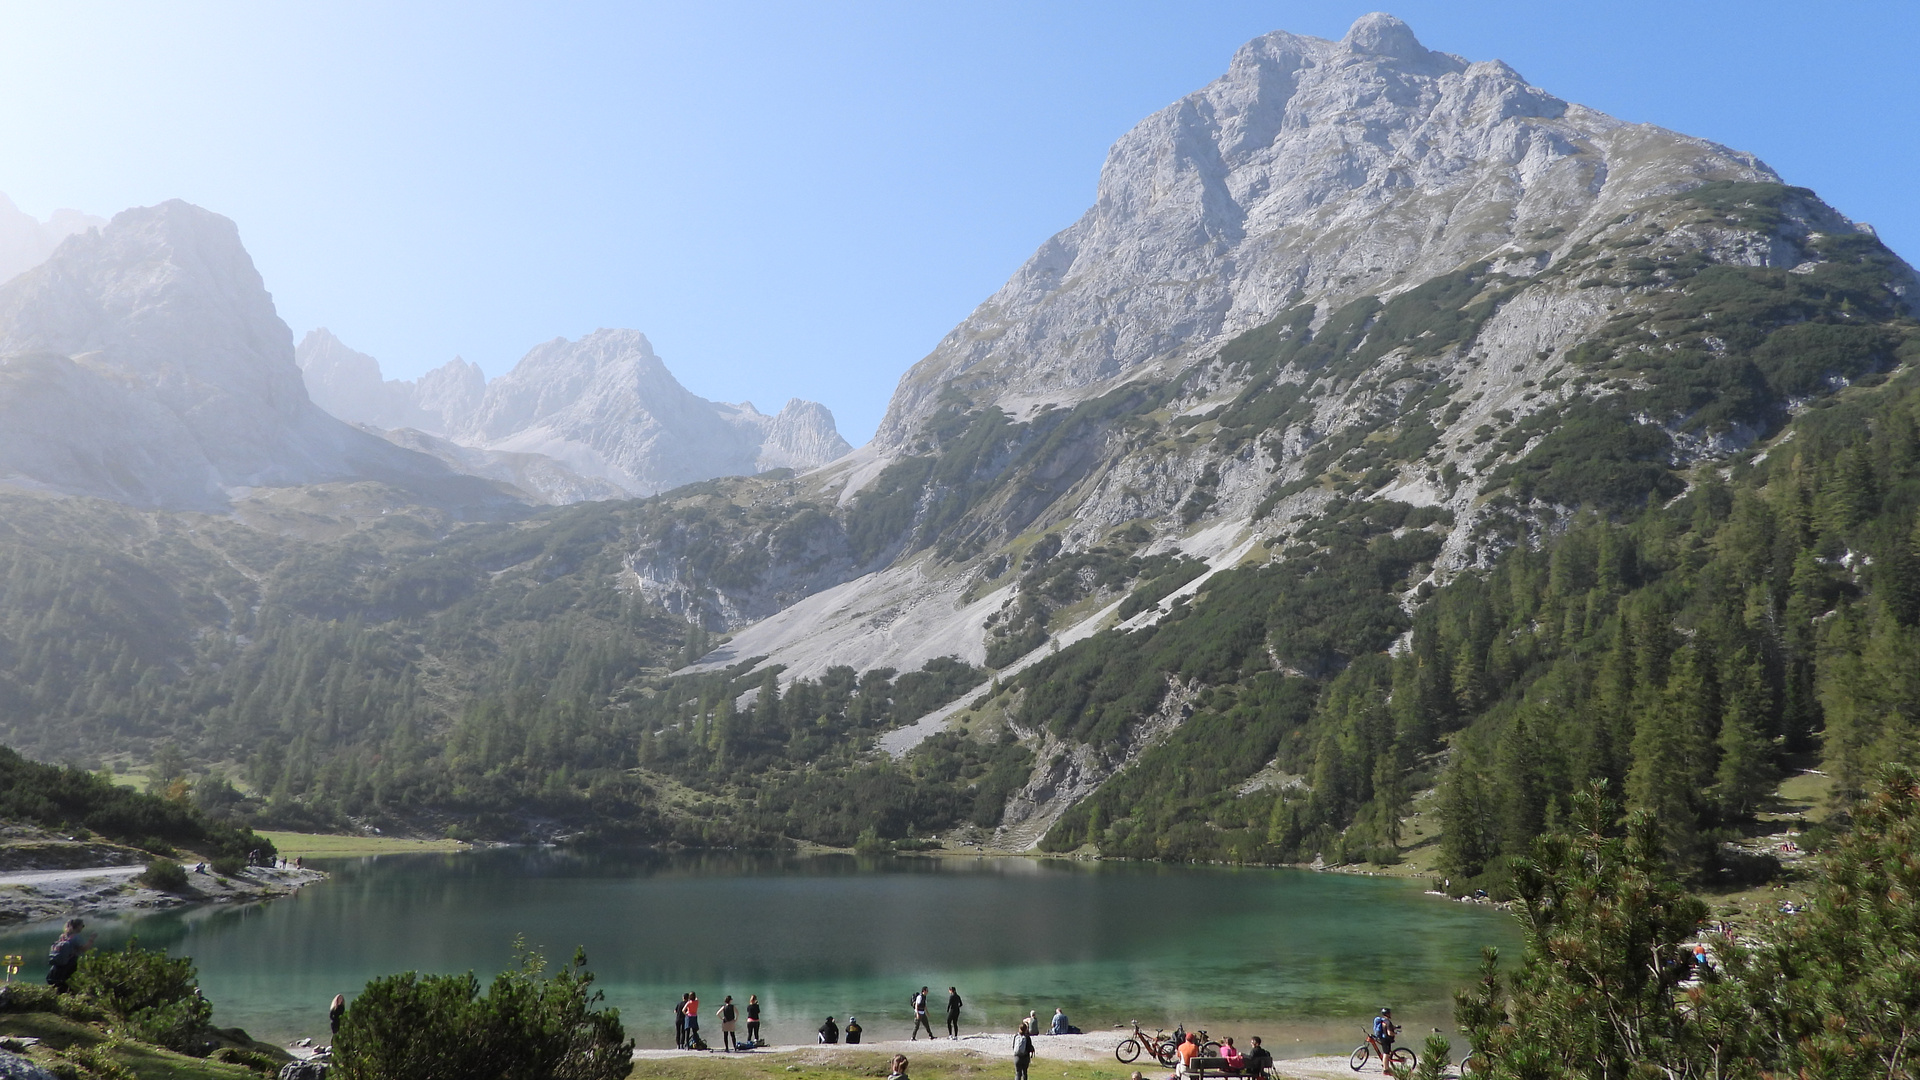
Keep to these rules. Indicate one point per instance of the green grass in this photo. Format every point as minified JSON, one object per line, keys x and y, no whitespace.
{"x":844,"y":1066}
{"x":292,"y":845}
{"x":58,"y":1033}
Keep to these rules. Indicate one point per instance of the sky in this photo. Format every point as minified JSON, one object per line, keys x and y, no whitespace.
{"x":790,"y":199}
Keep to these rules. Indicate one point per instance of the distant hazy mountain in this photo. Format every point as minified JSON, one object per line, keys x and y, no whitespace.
{"x":605,"y":408}
{"x":144,"y":362}
{"x":26,"y":241}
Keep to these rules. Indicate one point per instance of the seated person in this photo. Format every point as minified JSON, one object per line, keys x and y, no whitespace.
{"x":829,"y":1031}
{"x":1188,"y":1051}
{"x":1231,"y":1055}
{"x":1259,"y":1058}
{"x":1060,"y":1025}
{"x":853,"y":1030}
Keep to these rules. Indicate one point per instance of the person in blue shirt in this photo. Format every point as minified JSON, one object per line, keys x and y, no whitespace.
{"x":1060,"y":1025}
{"x":1384,"y":1029}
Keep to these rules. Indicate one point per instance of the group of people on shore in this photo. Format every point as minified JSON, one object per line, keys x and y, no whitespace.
{"x":831,"y":1032}
{"x":686,"y":1023}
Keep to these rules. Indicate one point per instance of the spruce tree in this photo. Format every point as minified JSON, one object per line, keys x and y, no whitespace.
{"x":1746,"y":772}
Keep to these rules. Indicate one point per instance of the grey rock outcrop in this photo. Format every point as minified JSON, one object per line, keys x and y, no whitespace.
{"x":144,"y":362}
{"x":1313,"y":170}
{"x":26,"y":241}
{"x":596,"y":418}
{"x":349,"y":384}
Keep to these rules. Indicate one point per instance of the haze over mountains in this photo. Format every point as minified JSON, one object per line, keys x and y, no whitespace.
{"x":1378,"y":391}
{"x":605,"y":407}
{"x":141,"y":360}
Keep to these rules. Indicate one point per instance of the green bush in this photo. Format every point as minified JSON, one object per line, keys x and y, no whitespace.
{"x":27,"y":997}
{"x":439,"y":1027}
{"x":165,"y":875}
{"x":228,"y":865}
{"x":147,"y":994}
{"x":251,"y":1059}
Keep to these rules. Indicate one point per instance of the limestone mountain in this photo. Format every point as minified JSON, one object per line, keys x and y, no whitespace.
{"x":349,"y":385}
{"x":1387,"y":425}
{"x":1312,"y":171}
{"x":604,"y":409}
{"x":26,"y":241}
{"x":144,"y":362}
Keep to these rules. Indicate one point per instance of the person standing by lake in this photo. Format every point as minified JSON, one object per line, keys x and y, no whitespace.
{"x":753,"y":1018}
{"x":953,"y":1012}
{"x":1022,"y":1051}
{"x":920,"y":1014}
{"x":335,"y":1010}
{"x":680,"y":1024}
{"x":64,"y":958}
{"x":727,"y":1041}
{"x":693,"y":1019}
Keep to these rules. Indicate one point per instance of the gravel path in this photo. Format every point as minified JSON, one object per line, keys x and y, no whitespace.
{"x":59,"y":877}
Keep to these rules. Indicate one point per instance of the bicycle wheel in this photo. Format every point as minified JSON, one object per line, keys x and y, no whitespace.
{"x":1402,"y":1058}
{"x":1164,"y":1053}
{"x":1127,"y":1051}
{"x":1209,"y":1049}
{"x":1476,"y":1064}
{"x":1359,"y":1059}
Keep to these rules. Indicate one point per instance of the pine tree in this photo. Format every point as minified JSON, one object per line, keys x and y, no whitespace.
{"x":1522,"y":789}
{"x":1746,"y":773}
{"x":1666,"y":760}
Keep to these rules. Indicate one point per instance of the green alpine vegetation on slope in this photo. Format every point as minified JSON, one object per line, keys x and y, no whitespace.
{"x":62,"y":797}
{"x":1607,"y":986}
{"x":466,"y":681}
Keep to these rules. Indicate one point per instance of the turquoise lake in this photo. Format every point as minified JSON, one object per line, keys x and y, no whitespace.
{"x":1298,"y":957}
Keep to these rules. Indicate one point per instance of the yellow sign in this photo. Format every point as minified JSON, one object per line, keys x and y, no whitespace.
{"x":13,"y":966}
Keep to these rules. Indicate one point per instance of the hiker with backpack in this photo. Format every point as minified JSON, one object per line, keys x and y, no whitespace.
{"x":920,"y":1014}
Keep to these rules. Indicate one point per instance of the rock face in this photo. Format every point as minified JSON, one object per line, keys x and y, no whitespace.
{"x":144,"y":362}
{"x":349,"y":385}
{"x":1313,"y":170}
{"x":604,"y":411}
{"x":1355,"y":269}
{"x":26,"y":241}
{"x":606,"y":407}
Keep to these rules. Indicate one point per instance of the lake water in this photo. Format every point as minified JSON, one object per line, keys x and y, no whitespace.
{"x":1307,"y":955}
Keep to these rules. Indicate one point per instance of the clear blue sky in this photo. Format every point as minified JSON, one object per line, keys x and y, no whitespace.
{"x":790,"y":199}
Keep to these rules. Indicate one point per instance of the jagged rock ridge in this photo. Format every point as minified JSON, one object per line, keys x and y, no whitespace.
{"x":144,"y":362}
{"x":1313,"y":170}
{"x":603,"y":409}
{"x":26,"y":241}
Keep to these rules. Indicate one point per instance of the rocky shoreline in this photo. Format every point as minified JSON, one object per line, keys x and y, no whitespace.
{"x":44,"y":877}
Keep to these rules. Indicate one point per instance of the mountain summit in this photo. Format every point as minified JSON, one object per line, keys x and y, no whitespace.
{"x":144,"y":362}
{"x":605,"y":407}
{"x":1312,"y":170}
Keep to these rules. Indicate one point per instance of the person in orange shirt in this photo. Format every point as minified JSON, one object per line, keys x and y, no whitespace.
{"x":1188,"y":1051}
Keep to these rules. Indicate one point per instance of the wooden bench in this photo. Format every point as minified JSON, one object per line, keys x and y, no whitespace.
{"x":1206,"y":1068}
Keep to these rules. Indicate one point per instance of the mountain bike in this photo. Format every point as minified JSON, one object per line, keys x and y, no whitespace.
{"x":1401,"y":1058}
{"x":1130,"y":1047}
{"x":1476,"y":1063}
{"x":1208,"y":1047}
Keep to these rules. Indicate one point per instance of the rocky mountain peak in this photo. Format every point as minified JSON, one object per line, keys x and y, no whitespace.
{"x":1312,"y":170}
{"x":144,"y":362}
{"x":1383,"y":35}
{"x":26,"y":241}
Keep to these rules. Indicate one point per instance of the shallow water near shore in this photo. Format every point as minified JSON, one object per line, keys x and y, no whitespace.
{"x":1308,"y":956}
